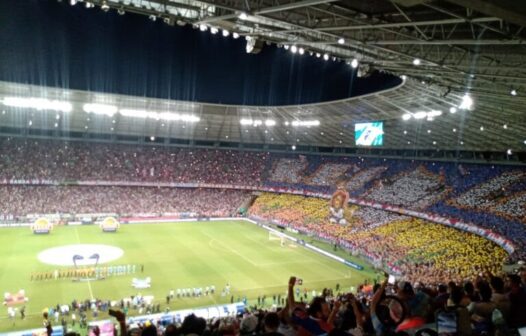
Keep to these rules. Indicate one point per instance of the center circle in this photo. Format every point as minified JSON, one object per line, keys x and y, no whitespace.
{"x":80,"y":255}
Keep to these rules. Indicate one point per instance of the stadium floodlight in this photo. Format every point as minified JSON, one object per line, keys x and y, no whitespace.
{"x":301,"y":51}
{"x":467,"y":102}
{"x":326,"y":57}
{"x":305,"y":123}
{"x":509,"y":152}
{"x":293,"y":147}
{"x":318,"y":55}
{"x":89,"y":4}
{"x":121,"y":11}
{"x":38,"y":103}
{"x":293,"y":49}
{"x":341,"y":40}
{"x":416,"y":61}
{"x":102,"y":109}
{"x":225,"y":33}
{"x":270,"y":122}
{"x":72,"y":2}
{"x":354,"y":63}
{"x":105,"y":7}
{"x":286,"y":46}
{"x":453,"y":110}
{"x":406,"y":116}
{"x":245,"y":122}
{"x":203,"y":27}
{"x":214,"y":30}
{"x":235,"y":35}
{"x":420,"y":115}
{"x":242,"y":16}
{"x":513,"y":92}
{"x":434,"y":113}
{"x":505,"y":126}
{"x":167,"y":116}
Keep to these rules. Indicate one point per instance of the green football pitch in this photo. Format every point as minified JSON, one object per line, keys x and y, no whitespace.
{"x":174,"y":255}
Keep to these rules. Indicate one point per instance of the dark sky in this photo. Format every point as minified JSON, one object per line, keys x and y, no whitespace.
{"x":51,"y":43}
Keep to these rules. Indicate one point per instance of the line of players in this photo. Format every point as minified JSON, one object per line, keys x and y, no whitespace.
{"x":192,"y":292}
{"x":100,"y":272}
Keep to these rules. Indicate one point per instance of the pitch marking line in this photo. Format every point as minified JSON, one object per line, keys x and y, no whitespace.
{"x":89,"y":283}
{"x":212,"y":240}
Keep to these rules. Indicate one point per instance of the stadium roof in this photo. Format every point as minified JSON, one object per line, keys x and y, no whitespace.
{"x":447,"y":49}
{"x":222,"y":123}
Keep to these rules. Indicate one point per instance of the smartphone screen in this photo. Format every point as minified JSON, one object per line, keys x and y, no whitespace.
{"x":391,"y":280}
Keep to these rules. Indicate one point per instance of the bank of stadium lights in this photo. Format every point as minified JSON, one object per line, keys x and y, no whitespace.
{"x":422,"y":115}
{"x":38,"y":103}
{"x":257,"y":122}
{"x":467,"y":102}
{"x":166,"y":116}
{"x":305,"y":123}
{"x":100,"y":109}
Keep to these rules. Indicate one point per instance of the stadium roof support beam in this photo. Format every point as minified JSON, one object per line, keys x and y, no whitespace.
{"x":401,"y":24}
{"x":509,"y":10}
{"x":268,"y":10}
{"x":448,"y":42}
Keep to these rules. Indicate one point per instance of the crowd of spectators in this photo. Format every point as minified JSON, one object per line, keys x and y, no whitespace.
{"x":288,"y":170}
{"x":421,"y":250}
{"x":415,"y":189}
{"x":487,"y":304}
{"x":497,"y":195}
{"x":327,"y":174}
{"x":57,"y":160}
{"x":19,"y":201}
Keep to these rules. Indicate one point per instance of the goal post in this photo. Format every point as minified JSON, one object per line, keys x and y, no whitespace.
{"x":276,"y":236}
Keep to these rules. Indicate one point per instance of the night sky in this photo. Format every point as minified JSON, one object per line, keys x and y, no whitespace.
{"x":51,"y":43}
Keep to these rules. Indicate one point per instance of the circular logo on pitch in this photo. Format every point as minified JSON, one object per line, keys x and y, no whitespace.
{"x":80,"y":255}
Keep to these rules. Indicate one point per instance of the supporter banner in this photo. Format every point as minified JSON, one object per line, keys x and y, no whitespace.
{"x":178,"y":316}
